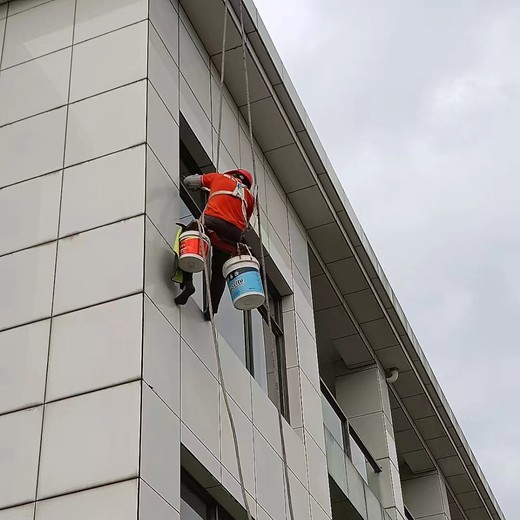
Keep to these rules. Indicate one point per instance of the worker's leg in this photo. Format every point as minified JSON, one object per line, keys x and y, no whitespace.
{"x":230,"y":234}
{"x":187,"y":278}
{"x":218,"y":283}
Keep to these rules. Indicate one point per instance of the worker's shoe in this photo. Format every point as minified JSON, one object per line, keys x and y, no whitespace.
{"x":187,"y":290}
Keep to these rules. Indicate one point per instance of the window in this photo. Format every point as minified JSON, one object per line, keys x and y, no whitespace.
{"x":193,"y":507}
{"x":267,"y":350}
{"x":197,"y":504}
{"x":248,"y":334}
{"x":256,"y":345}
{"x":191,"y":205}
{"x":193,"y":202}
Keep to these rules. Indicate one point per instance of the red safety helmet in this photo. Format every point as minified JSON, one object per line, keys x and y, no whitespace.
{"x":243,"y":175}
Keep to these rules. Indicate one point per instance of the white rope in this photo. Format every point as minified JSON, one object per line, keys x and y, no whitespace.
{"x":248,"y":94}
{"x":264,"y":273}
{"x":274,"y":352}
{"x":222,"y":69}
{"x":208,"y":289}
{"x":221,"y":376}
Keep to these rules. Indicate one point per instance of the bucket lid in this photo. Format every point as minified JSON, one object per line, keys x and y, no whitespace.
{"x":242,"y":258}
{"x":239,"y":261}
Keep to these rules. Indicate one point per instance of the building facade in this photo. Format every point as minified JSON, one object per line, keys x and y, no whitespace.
{"x":111,"y":405}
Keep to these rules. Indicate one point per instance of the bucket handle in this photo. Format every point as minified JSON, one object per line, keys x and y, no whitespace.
{"x":241,"y":245}
{"x":202,"y":232}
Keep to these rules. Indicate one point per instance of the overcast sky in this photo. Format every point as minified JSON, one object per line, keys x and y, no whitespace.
{"x":418,"y":107}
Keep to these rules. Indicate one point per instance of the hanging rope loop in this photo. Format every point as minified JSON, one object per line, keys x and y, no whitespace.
{"x":221,"y":87}
{"x":274,"y":353}
{"x":200,"y":223}
{"x":222,"y":380}
{"x":208,"y":288}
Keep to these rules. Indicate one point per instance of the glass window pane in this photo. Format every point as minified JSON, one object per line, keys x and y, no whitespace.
{"x":270,"y":342}
{"x":189,"y":167}
{"x":193,"y":507}
{"x":268,"y":353}
{"x":331,"y":421}
{"x":258,"y":347}
{"x":358,"y":459}
{"x":336,"y":460}
{"x":274,"y":308}
{"x":200,"y":290}
{"x":230,"y":325}
{"x":185,"y":215}
{"x":282,"y":377}
{"x":188,"y":513}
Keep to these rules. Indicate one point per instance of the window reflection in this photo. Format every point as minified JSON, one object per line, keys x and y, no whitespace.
{"x":185,"y":215}
{"x":188,"y":166}
{"x":188,"y":513}
{"x":258,"y":349}
{"x":197,"y":504}
{"x":193,"y":507}
{"x":268,"y":350}
{"x":358,"y":459}
{"x":230,"y":324}
{"x":271,"y":352}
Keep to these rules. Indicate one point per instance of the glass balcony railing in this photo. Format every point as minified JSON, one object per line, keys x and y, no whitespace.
{"x":341,"y":442}
{"x":336,"y":444}
{"x":359,"y":460}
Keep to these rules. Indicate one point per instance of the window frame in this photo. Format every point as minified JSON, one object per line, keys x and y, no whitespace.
{"x":275,"y":305}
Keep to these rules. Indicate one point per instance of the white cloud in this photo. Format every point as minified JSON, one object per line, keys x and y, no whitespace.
{"x":460,"y":96}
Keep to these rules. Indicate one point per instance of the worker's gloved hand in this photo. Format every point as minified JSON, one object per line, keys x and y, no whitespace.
{"x":193,"y":182}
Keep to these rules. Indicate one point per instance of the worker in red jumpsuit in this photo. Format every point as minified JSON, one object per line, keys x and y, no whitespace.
{"x":226,"y":217}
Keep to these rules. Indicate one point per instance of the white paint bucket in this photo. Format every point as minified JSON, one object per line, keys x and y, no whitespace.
{"x":242,"y":274}
{"x":193,"y":248}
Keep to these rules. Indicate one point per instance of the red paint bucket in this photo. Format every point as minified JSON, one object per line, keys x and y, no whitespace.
{"x":193,"y":248}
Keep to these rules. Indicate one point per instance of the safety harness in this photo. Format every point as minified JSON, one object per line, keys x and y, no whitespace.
{"x":239,"y":192}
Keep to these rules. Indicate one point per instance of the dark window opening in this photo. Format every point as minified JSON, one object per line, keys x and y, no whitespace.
{"x":191,"y":205}
{"x":193,"y":201}
{"x":197,"y":504}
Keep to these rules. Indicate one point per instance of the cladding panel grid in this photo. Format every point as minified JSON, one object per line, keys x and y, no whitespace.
{"x":90,"y":440}
{"x":33,"y":144}
{"x":95,"y":194}
{"x":103,"y":29}
{"x":115,"y":182}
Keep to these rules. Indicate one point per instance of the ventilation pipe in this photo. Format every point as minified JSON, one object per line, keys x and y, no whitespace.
{"x":392,"y":378}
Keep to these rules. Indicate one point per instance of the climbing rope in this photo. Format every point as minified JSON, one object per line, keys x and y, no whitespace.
{"x":274,"y":352}
{"x":200,"y":223}
{"x":248,"y":94}
{"x":221,"y":87}
{"x":221,"y":376}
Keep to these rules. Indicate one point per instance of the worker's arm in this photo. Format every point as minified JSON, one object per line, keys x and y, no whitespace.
{"x":193,"y":182}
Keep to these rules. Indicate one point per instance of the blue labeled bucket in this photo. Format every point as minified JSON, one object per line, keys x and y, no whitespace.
{"x":242,"y":274}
